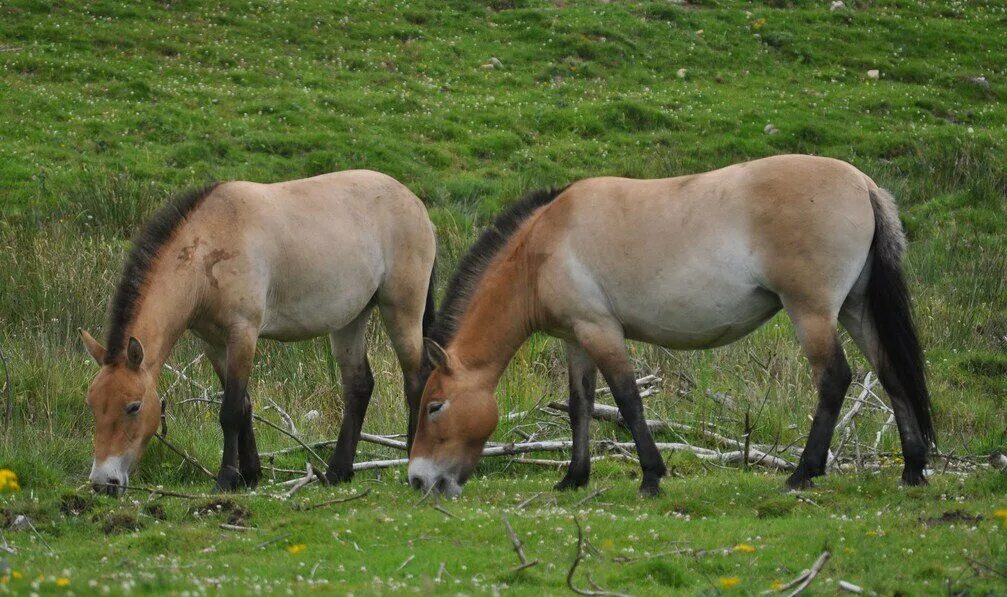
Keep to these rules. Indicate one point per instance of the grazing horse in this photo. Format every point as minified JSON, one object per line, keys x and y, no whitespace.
{"x":686,"y":263}
{"x":239,"y":261}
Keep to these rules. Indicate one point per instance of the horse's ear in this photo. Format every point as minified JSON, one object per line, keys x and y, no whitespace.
{"x":437,"y":355}
{"x":97,"y":351}
{"x":134,"y":354}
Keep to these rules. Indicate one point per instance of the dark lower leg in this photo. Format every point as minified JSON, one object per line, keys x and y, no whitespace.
{"x":914,"y":449}
{"x":414,"y":391}
{"x":248,"y":455}
{"x":234,"y":410}
{"x":581,"y":375}
{"x":357,"y":387}
{"x":627,"y":398}
{"x":834,"y":378}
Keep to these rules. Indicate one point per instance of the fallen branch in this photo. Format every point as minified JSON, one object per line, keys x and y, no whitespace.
{"x":850,"y":587}
{"x":589,"y":497}
{"x":271,"y":424}
{"x":802,"y":581}
{"x":283,"y":414}
{"x":597,"y":591}
{"x":517,"y":545}
{"x":166,"y":493}
{"x":185,"y":456}
{"x":235,"y":527}
{"x":525,"y":503}
{"x":358,"y":496}
{"x":309,"y":477}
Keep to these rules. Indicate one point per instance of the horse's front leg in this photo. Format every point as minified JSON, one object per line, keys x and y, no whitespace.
{"x":605,"y":343}
{"x":239,"y":464}
{"x":582,"y":373}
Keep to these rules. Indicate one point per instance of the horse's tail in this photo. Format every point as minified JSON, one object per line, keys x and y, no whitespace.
{"x":891,"y":313}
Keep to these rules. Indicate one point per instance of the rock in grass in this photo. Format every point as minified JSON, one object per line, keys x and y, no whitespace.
{"x":769,"y":129}
{"x":20,"y":523}
{"x":837,"y":5}
{"x":874,"y":74}
{"x":979,"y":81}
{"x":681,"y":73}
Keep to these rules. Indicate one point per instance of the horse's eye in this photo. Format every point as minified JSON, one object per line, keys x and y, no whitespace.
{"x":133,"y":407}
{"x":434,"y":407}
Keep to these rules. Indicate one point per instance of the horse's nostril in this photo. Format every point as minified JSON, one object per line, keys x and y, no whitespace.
{"x":415,"y":483}
{"x":113,"y":481}
{"x":442,"y":484}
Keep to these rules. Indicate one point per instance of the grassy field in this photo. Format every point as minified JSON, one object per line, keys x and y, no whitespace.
{"x":107,"y":108}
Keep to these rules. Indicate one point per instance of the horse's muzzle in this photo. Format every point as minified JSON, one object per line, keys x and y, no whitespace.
{"x":427,"y":476}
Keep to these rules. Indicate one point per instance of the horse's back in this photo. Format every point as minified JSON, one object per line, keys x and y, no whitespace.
{"x":701,"y":260}
{"x":311,"y":254}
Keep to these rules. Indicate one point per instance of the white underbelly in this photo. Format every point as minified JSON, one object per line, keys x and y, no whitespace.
{"x":705,"y":318}
{"x":319,"y":306}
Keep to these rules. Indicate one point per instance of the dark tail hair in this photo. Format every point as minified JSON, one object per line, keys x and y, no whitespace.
{"x":891,"y":313}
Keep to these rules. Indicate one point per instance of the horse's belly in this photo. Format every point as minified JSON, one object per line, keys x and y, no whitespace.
{"x":703,"y":317}
{"x":317,"y":305}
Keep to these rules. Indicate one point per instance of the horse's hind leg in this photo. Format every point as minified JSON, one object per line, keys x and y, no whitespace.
{"x":831,"y":373}
{"x":605,"y":344}
{"x":236,"y":412}
{"x":349,"y":347}
{"x":582,"y":373}
{"x":857,"y":322}
{"x":402,"y":307}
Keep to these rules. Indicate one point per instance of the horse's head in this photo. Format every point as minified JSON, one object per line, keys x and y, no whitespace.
{"x":123,"y":399}
{"x":458,"y":413}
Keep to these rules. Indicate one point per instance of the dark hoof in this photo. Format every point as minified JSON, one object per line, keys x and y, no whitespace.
{"x":570,"y":483}
{"x":335,"y":476}
{"x":250,"y":478}
{"x":228,"y":479}
{"x":799,"y":481}
{"x":913,"y":478}
{"x":650,"y":489}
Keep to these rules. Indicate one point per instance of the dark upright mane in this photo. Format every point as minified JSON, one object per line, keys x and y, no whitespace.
{"x":154,"y":234}
{"x":473,"y":264}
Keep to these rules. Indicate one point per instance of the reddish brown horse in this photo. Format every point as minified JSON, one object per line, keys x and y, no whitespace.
{"x":239,"y":261}
{"x":689,"y":262}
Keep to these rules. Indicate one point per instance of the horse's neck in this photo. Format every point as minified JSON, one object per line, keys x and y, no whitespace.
{"x":165,"y":312}
{"x":495,"y":324}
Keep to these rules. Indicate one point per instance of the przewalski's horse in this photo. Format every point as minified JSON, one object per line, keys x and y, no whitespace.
{"x":687,"y":263}
{"x":239,"y":261}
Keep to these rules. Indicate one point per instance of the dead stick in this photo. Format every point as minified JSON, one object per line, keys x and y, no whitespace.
{"x":362,"y":494}
{"x":598,"y":592}
{"x":805,"y":579}
{"x":166,"y":493}
{"x":274,"y":426}
{"x":589,"y":497}
{"x":517,"y":545}
{"x":525,"y":503}
{"x":185,"y":456}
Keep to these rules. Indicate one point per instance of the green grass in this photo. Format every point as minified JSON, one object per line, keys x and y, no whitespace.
{"x":106,"y":108}
{"x":883,"y":539}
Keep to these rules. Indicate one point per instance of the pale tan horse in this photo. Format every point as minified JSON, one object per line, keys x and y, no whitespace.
{"x":239,"y":261}
{"x":687,"y":263}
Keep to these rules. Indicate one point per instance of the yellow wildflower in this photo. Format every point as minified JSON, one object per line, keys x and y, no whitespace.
{"x":8,"y":481}
{"x":16,"y":574}
{"x":1001,"y":514}
{"x":296,"y":548}
{"x":728,"y":582}
{"x":607,"y":544}
{"x":62,"y":582}
{"x":758,"y":24}
{"x":777,"y":585}
{"x":744,"y":548}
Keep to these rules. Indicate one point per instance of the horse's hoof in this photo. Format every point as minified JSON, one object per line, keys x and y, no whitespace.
{"x":569,"y":483}
{"x":250,"y":478}
{"x":650,"y":489}
{"x":336,"y":476}
{"x":797,"y":482}
{"x":228,"y":479}
{"x":914,"y":478}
